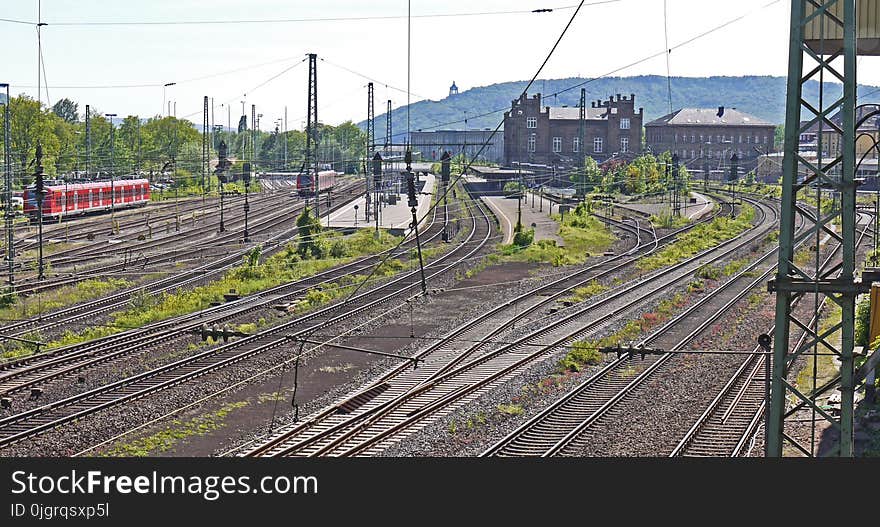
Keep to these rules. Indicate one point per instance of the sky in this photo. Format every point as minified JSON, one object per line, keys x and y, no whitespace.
{"x":121,"y":68}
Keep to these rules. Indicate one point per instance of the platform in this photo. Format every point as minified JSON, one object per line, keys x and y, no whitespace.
{"x":397,"y":216}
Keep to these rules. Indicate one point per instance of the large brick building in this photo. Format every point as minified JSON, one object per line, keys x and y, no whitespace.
{"x":706,"y":138}
{"x":550,"y":135}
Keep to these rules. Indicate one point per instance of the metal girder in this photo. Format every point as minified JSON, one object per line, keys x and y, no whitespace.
{"x":839,"y":173}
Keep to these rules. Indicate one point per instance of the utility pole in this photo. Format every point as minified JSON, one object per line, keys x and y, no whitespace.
{"x":246,"y":176}
{"x":445,"y":160}
{"x":222,"y":165}
{"x":312,"y":129}
{"x":377,"y":181}
{"x":285,"y":138}
{"x":88,"y":140}
{"x":254,"y":136}
{"x":413,"y":206}
{"x":811,"y":55}
{"x":112,"y":173}
{"x":676,"y":196}
{"x":388,"y":141}
{"x":10,"y":208}
{"x":371,"y":146}
{"x":40,"y":193}
{"x":734,"y":176}
{"x":205,"y":125}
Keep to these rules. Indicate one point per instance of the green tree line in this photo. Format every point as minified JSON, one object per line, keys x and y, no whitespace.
{"x":155,"y":145}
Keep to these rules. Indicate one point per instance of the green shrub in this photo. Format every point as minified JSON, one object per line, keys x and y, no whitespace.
{"x":524,"y":238}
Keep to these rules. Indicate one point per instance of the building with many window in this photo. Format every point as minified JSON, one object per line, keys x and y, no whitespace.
{"x":706,"y":138}
{"x":480,"y":145}
{"x":551,"y":135}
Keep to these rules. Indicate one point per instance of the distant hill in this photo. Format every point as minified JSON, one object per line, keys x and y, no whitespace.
{"x":762,"y":96}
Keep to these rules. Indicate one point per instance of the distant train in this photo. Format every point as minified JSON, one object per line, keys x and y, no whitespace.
{"x":79,"y":198}
{"x":305,"y":183}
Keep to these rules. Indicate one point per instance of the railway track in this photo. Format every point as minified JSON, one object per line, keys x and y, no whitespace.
{"x":196,"y":243}
{"x":37,"y":420}
{"x":187,"y":278}
{"x":570,"y":423}
{"x":36,"y":370}
{"x":398,"y":402}
{"x":734,"y":416}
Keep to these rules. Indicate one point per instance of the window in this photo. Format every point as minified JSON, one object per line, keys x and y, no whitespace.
{"x":532,"y":122}
{"x":718,"y":138}
{"x":740,"y":138}
{"x":675,"y":140}
{"x":576,"y":145}
{"x":557,"y":144}
{"x":701,"y":138}
{"x":532,"y":143}
{"x":624,"y":144}
{"x":598,"y":144}
{"x":748,"y":139}
{"x":756,"y":140}
{"x":692,"y":139}
{"x":693,"y":154}
{"x":624,"y":123}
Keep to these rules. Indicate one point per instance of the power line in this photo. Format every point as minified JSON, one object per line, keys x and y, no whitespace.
{"x":76,"y":23}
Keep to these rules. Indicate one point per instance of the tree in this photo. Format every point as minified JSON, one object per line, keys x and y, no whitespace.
{"x":29,"y":123}
{"x":67,"y":110}
{"x":587,"y":178}
{"x":310,"y":243}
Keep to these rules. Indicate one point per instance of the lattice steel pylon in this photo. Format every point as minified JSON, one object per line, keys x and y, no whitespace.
{"x":823,"y":34}
{"x":205,"y":168}
{"x":371,"y":146}
{"x":312,"y":126}
{"x":388,"y":142}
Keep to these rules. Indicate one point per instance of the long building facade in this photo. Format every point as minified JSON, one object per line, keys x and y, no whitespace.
{"x":550,"y":136}
{"x":706,"y":138}
{"x":431,"y":145}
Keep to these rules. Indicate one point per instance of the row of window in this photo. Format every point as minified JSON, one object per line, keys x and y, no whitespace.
{"x":722,"y":138}
{"x":598,"y":144}
{"x":709,"y":154}
{"x":532,"y":122}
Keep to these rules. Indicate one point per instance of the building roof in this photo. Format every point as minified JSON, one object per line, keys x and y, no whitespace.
{"x":574,"y":113}
{"x":709,"y":117}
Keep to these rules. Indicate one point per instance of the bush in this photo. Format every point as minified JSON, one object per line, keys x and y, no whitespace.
{"x":339,"y":249}
{"x":512,"y":189}
{"x":863,"y":320}
{"x":581,"y":354}
{"x":524,"y":238}
{"x":708,"y":272}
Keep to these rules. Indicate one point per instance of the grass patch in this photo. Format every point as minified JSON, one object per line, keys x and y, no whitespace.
{"x":586,"y":352}
{"x":698,"y":239}
{"x":510,"y":409}
{"x":582,"y":234}
{"x":580,"y":294}
{"x":171,"y":435}
{"x":250,"y":277}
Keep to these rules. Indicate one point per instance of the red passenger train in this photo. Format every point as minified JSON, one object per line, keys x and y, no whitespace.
{"x":305,"y":183}
{"x":79,"y":198}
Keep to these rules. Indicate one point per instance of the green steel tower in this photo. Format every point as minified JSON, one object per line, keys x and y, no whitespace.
{"x":822,"y":47}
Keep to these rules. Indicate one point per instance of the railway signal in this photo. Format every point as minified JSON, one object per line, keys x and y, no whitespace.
{"x":222,"y":165}
{"x":246,"y":176}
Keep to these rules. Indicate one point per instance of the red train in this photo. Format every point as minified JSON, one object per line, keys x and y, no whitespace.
{"x":305,"y":183}
{"x":79,"y":198}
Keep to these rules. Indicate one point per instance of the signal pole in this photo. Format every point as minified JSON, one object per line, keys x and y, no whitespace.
{"x":388,"y":141}
{"x":204,"y":143}
{"x":734,"y":175}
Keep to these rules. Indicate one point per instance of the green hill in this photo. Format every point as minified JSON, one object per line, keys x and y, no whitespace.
{"x":484,"y":107}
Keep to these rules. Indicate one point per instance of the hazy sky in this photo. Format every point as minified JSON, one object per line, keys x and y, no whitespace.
{"x":474,"y":50}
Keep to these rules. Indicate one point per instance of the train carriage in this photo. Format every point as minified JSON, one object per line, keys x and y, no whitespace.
{"x":79,"y":198}
{"x":305,"y":183}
